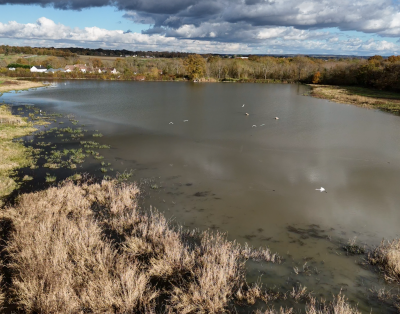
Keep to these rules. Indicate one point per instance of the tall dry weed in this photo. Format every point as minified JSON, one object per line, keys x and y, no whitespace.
{"x":339,"y":305}
{"x":87,"y":248}
{"x":387,"y":257}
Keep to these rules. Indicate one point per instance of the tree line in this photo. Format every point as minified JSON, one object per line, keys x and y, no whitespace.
{"x":375,"y":72}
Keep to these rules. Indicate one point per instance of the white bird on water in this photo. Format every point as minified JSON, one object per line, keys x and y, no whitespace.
{"x":185,"y":120}
{"x":254,"y":126}
{"x":321,"y":190}
{"x":243,"y":106}
{"x":171,"y":123}
{"x":262,"y":124}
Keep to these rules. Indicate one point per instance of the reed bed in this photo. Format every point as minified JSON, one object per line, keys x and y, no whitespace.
{"x":87,"y":248}
{"x":387,"y":257}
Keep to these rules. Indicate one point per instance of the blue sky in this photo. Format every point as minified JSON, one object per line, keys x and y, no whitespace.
{"x":219,"y":26}
{"x":104,"y":17}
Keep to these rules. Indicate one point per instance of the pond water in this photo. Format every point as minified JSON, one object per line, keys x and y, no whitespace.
{"x":254,"y":177}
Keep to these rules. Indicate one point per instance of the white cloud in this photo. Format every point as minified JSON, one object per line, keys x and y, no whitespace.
{"x":213,"y":37}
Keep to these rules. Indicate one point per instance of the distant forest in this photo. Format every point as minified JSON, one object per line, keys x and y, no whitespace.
{"x":375,"y":72}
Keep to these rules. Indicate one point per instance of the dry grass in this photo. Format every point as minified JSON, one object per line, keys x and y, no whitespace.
{"x":339,"y":305}
{"x":12,"y":84}
{"x":387,"y":257}
{"x":87,"y":248}
{"x":355,"y":97}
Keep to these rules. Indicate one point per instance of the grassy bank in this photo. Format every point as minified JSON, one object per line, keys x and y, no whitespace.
{"x":13,"y":155}
{"x":359,"y":96}
{"x":8,"y":84}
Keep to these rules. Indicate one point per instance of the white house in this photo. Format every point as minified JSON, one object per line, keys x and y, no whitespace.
{"x":114,"y":71}
{"x":38,"y":69}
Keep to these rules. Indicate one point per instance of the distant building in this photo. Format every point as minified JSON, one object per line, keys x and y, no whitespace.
{"x":38,"y":69}
{"x":81,"y":67}
{"x":52,"y":71}
{"x":11,"y":69}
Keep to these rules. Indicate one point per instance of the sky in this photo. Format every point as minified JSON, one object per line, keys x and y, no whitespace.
{"x":340,"y":27}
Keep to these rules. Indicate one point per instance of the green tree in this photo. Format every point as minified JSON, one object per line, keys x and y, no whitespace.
{"x":195,"y":66}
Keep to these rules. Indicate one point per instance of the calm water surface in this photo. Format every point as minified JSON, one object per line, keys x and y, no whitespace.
{"x":253,"y":176}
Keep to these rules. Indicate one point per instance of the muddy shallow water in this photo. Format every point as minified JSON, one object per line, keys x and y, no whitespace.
{"x":252,"y":176}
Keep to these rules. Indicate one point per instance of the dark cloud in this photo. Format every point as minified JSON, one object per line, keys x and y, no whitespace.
{"x":171,"y":16}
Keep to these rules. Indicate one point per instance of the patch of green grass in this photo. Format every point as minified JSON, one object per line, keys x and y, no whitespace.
{"x":104,"y":170}
{"x":27,"y":178}
{"x":97,"y":135}
{"x":75,"y":177}
{"x":374,"y":93}
{"x":50,"y":179}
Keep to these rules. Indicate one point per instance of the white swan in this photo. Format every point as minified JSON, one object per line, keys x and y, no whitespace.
{"x":171,"y":123}
{"x":254,"y":126}
{"x":321,"y":190}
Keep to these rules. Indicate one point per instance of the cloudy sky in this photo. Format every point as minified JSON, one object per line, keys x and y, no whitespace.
{"x":356,"y":27}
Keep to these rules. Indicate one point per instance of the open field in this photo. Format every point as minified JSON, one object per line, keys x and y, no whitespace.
{"x":12,"y":58}
{"x":359,"y":96}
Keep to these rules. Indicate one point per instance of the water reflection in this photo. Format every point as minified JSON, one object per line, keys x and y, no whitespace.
{"x":217,"y":171}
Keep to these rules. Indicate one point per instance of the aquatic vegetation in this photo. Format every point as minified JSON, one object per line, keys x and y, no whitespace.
{"x":51,"y":165}
{"x":75,"y":177}
{"x":387,"y":257}
{"x":352,"y":248}
{"x":98,"y":157}
{"x":43,"y":144}
{"x":50,"y":179}
{"x":95,"y":145}
{"x":27,"y":178}
{"x":97,"y":135}
{"x":104,"y":170}
{"x":77,"y":136}
{"x":124,"y":176}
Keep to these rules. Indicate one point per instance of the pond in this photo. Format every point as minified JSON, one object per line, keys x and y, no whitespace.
{"x":211,"y":166}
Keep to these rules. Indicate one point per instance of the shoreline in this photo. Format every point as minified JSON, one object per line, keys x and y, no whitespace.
{"x":8,"y":84}
{"x":14,"y":155}
{"x":358,"y":96}
{"x":303,"y":298}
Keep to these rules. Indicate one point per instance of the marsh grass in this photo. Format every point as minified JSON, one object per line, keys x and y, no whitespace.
{"x":387,"y":257}
{"x":362,"y":97}
{"x":13,"y":154}
{"x":88,"y":249}
{"x":339,"y":305}
{"x":50,"y":179}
